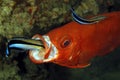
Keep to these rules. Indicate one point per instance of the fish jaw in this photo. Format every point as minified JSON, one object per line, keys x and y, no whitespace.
{"x":47,"y":54}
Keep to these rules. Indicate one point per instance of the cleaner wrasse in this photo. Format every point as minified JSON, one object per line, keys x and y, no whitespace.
{"x":75,"y":44}
{"x":24,"y":44}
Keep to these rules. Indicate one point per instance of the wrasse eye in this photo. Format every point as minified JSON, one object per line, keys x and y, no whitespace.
{"x":65,"y":43}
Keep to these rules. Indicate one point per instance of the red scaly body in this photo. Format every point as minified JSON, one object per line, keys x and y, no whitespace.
{"x":84,"y":42}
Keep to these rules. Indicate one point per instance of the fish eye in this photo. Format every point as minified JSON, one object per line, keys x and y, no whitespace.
{"x":65,"y":43}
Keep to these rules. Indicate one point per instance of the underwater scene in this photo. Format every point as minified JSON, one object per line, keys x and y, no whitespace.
{"x":59,"y":39}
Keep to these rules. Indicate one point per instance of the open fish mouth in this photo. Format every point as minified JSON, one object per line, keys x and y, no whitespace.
{"x":40,"y":48}
{"x":46,"y":54}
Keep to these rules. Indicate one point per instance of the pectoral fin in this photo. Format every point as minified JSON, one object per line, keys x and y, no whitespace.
{"x":84,"y":65}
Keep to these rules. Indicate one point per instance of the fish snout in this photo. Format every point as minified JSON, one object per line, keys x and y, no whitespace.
{"x":46,"y":54}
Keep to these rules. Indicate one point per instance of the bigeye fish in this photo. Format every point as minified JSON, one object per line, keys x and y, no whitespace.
{"x":75,"y":44}
{"x":24,"y":44}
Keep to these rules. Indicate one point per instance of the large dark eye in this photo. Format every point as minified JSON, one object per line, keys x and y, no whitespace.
{"x":65,"y":43}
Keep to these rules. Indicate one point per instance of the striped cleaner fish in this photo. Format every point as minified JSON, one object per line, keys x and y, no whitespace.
{"x":75,"y":44}
{"x":24,"y":44}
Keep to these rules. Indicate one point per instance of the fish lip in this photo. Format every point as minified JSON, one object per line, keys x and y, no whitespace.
{"x":49,"y":54}
{"x":52,"y":52}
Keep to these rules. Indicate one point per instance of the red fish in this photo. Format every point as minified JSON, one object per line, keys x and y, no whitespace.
{"x":74,"y":45}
